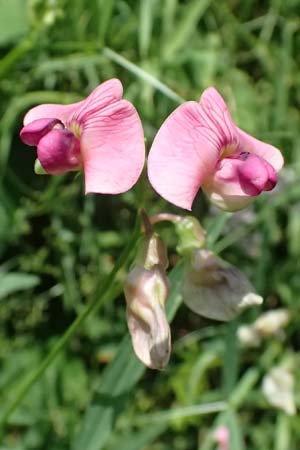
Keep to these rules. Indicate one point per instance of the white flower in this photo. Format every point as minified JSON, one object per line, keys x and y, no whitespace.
{"x":278,"y":387}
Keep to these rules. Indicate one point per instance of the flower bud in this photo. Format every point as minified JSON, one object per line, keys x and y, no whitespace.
{"x":215,"y":289}
{"x":146,"y":292}
{"x":191,"y":235}
{"x":271,"y":322}
{"x":152,"y":252}
{"x":248,"y":336}
{"x":277,"y":387}
{"x":222,"y":437}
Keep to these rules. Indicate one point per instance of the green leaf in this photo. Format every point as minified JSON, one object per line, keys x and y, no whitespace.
{"x":231,"y":359}
{"x":182,"y":413}
{"x":193,"y":12}
{"x":236,"y":435}
{"x":168,"y":15}
{"x":13,"y":20}
{"x":106,"y":10}
{"x":139,"y":439}
{"x":145,"y":26}
{"x":283,"y":432}
{"x":16,"y":281}
{"x":117,"y":381}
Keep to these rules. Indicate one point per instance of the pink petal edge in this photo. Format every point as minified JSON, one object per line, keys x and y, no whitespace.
{"x":110,"y":90}
{"x":102,"y":96}
{"x":35,"y":130}
{"x":50,"y":111}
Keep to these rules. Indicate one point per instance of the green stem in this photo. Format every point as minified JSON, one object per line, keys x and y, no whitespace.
{"x":231,"y":358}
{"x":109,"y":290}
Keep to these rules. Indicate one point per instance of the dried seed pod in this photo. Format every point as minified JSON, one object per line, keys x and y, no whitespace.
{"x":146,"y":292}
{"x":214,"y":288}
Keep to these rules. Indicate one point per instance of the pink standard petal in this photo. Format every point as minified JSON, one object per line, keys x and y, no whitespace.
{"x":184,"y":152}
{"x":103,"y":96}
{"x":105,"y":93}
{"x":113,"y":149}
{"x":266,"y":151}
{"x":216,"y":117}
{"x":50,"y":111}
{"x":219,"y":119}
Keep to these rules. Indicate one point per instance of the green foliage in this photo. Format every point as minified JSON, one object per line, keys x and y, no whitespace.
{"x":58,"y":247}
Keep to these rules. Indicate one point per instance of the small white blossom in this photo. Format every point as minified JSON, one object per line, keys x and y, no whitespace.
{"x":278,"y":387}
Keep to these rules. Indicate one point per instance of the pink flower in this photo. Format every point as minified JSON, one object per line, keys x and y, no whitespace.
{"x":102,"y":134}
{"x":222,"y":437}
{"x":199,"y":145}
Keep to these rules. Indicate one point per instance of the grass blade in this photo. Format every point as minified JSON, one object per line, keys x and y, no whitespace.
{"x":193,"y":13}
{"x":142,"y":74}
{"x":106,"y":10}
{"x":138,"y":440}
{"x":181,"y":413}
{"x":145,"y":26}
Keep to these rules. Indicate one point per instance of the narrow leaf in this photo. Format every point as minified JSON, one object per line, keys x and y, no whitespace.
{"x":145,"y":26}
{"x":181,"y":413}
{"x":192,"y":14}
{"x":16,"y":281}
{"x":138,"y":440}
{"x":142,"y":74}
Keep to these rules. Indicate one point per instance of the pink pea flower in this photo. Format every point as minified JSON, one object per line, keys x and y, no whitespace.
{"x":199,"y":145}
{"x":101,"y":134}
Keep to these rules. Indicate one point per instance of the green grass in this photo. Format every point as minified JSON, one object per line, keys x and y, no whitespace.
{"x":58,"y":246}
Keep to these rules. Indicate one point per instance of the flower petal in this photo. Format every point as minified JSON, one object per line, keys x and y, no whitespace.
{"x":216,"y":117}
{"x":34,"y":131}
{"x":278,"y":388}
{"x":183,"y":153}
{"x":256,"y":175}
{"x":50,"y":111}
{"x":113,"y":148}
{"x":59,"y":152}
{"x":266,"y":151}
{"x":237,"y":180}
{"x":101,"y":97}
{"x":224,"y":188}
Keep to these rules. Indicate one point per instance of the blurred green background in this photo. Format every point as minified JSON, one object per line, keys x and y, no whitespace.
{"x":56,"y":244}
